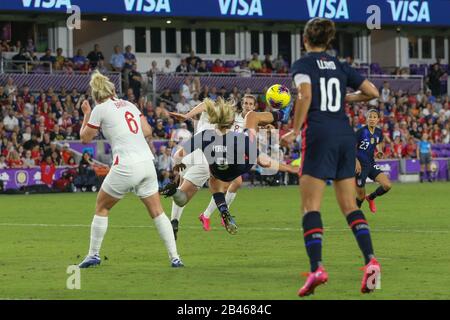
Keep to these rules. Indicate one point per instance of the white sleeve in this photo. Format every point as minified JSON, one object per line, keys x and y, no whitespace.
{"x":96,"y":118}
{"x":301,"y":78}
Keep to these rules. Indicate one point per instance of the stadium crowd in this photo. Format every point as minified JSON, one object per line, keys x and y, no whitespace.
{"x":32,"y":122}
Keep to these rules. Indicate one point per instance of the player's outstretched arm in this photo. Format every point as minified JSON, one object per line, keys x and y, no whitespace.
{"x":191,"y":114}
{"x":367,"y":91}
{"x":254,"y":119}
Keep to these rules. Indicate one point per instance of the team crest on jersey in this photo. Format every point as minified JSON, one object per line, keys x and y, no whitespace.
{"x":372,"y":140}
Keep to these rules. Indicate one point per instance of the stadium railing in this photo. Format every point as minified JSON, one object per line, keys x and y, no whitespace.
{"x":43,"y":80}
{"x":258,"y":82}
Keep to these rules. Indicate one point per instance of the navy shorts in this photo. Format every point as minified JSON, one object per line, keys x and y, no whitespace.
{"x":328,"y":157}
{"x":232,"y":172}
{"x":425,"y":158}
{"x":367,"y":170}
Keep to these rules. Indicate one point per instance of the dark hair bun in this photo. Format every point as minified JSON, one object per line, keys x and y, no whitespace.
{"x":320,"y":32}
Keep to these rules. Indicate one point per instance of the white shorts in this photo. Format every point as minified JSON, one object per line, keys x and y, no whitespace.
{"x":197,"y":168}
{"x":140,"y":178}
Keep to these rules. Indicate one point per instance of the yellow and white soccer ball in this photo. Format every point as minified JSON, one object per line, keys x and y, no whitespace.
{"x":278,"y":96}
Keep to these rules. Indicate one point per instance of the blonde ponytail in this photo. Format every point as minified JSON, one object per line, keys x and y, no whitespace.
{"x":101,"y":87}
{"x":220,"y":113}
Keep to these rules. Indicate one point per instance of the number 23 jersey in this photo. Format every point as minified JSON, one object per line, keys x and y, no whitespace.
{"x":120,"y":122}
{"x":329,"y":79}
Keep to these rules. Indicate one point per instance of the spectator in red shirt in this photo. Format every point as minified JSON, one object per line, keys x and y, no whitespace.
{"x":398,"y":148}
{"x":218,"y":67}
{"x":48,"y":170}
{"x":436,"y":134}
{"x":66,"y":153}
{"x":265,"y":69}
{"x":14,"y":160}
{"x":410,"y":148}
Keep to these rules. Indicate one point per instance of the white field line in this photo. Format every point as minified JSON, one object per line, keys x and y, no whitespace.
{"x":386,"y":229}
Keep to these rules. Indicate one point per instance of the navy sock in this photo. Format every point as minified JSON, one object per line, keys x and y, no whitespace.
{"x":428,"y":175}
{"x":379,"y":192}
{"x":219,"y":199}
{"x":421,"y":175}
{"x":358,"y":223}
{"x":312,"y":233}
{"x":359,"y":202}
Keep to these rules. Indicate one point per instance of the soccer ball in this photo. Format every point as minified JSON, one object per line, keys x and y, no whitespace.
{"x":278,"y":96}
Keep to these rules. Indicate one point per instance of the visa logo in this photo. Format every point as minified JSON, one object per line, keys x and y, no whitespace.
{"x":47,"y":4}
{"x":330,"y":9}
{"x":147,"y":5}
{"x":241,"y":7}
{"x":410,"y":11}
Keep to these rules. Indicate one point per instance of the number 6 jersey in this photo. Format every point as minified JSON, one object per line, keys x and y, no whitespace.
{"x":121,"y":125}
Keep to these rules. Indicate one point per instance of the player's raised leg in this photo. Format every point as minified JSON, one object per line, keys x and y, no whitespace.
{"x":357,"y":222}
{"x":99,"y":225}
{"x":311,"y":190}
{"x":164,"y":227}
{"x":385,"y":186}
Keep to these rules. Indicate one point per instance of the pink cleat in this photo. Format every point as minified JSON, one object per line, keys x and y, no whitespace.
{"x":314,"y":279}
{"x":222,"y":222}
{"x":205,"y":222}
{"x":372,"y":206}
{"x":371,"y":276}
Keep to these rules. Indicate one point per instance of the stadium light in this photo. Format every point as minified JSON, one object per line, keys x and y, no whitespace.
{"x":169,"y":21}
{"x":104,"y":19}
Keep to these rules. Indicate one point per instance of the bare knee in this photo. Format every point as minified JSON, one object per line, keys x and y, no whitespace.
{"x":235,"y":185}
{"x":310,"y":205}
{"x":101,"y":210}
{"x":387,"y":185}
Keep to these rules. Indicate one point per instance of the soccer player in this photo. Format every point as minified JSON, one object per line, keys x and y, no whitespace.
{"x":328,"y":146}
{"x":126,"y":129}
{"x":229,"y":154}
{"x":196,"y":172}
{"x":248,"y":104}
{"x":424,"y":156}
{"x":369,"y":139}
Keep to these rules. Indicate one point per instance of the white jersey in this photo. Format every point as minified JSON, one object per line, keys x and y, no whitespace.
{"x":239,"y":123}
{"x":203,"y":123}
{"x":120,"y":122}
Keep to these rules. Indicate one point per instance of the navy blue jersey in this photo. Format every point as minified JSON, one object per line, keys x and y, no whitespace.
{"x":229,"y":156}
{"x":366,"y":143}
{"x":329,"y":81}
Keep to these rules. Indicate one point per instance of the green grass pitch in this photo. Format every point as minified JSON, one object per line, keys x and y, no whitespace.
{"x":41,"y":235}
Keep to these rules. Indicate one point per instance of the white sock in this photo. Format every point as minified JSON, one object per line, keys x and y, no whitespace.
{"x":229,"y":198}
{"x":180,"y":198}
{"x":165,"y":231}
{"x":177,"y":211}
{"x":98,"y":229}
{"x":210,"y":209}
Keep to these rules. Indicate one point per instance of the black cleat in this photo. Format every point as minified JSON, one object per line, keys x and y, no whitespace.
{"x":168,"y":190}
{"x":174,"y":223}
{"x":230,"y":224}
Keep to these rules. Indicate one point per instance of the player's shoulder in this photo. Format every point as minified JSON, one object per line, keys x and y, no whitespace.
{"x":362,"y":130}
{"x":302,"y":65}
